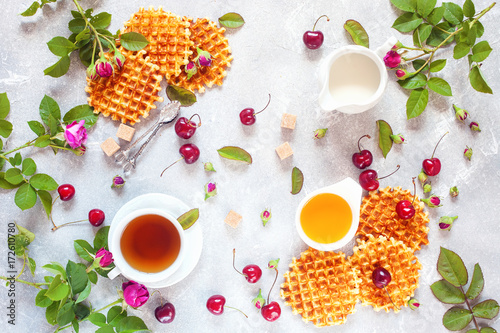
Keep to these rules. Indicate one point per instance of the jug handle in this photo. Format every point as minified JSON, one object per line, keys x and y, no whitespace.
{"x":386,"y":47}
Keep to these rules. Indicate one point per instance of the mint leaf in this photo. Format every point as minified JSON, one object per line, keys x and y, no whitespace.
{"x":476,"y":284}
{"x":447,"y":293}
{"x":452,"y":268}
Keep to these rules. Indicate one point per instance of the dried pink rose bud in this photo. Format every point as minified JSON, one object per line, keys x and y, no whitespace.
{"x":460,"y":114}
{"x":422,"y":177}
{"x":204,"y":58}
{"x":392,"y":59}
{"x":320,"y":133}
{"x":135,"y":294}
{"x":119,"y":59}
{"x":474,"y":126}
{"x":397,"y":138}
{"x":259,"y":301}
{"x":468,"y":152}
{"x":105,"y":257}
{"x":190,"y":69}
{"x":427,"y":188}
{"x":413,"y":304}
{"x":454,"y":191}
{"x":104,"y":68}
{"x":397,"y":46}
{"x":433,"y":201}
{"x":118,"y":182}
{"x":209,"y":167}
{"x":210,"y":190}
{"x":445,"y":222}
{"x":402,"y":74}
{"x":273,"y":264}
{"x":265,"y":216}
{"x":80,"y":151}
{"x":75,"y":134}
{"x":91,"y":72}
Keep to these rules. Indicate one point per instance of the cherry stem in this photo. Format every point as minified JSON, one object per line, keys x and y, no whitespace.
{"x":387,"y":291}
{"x":234,"y":254}
{"x":230,"y":307}
{"x":438,"y":144}
{"x":62,"y":225}
{"x":50,"y":215}
{"x":367,"y":136}
{"x":389,"y":174}
{"x":265,"y":106}
{"x":327,"y":18}
{"x":276,"y":278}
{"x":161,"y":297}
{"x":414,"y":190}
{"x":161,"y":175}
{"x":199,"y":118}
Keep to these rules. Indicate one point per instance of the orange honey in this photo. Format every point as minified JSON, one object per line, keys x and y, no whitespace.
{"x":326,"y":218}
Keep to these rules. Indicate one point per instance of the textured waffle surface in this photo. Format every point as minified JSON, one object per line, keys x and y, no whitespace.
{"x":128,"y":93}
{"x":207,"y":36}
{"x":322,"y":287}
{"x":396,"y":258}
{"x":378,"y":217}
{"x":168,"y":35}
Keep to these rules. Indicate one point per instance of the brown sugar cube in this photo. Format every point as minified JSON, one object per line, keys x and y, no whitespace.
{"x":284,"y":151}
{"x":288,"y":120}
{"x":110,"y":147}
{"x":233,"y":219}
{"x":125,"y":132}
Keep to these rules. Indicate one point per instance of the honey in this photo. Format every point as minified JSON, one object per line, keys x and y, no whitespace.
{"x":326,"y":218}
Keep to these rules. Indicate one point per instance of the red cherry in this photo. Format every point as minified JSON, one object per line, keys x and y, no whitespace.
{"x":252,"y":273}
{"x":190,"y":153}
{"x":271,"y":311}
{"x":247,"y":116}
{"x":314,"y":39}
{"x":363,"y":158}
{"x":369,"y":181}
{"x":96,"y":217}
{"x":381,"y":277}
{"x":185,"y":128}
{"x":165,"y":313}
{"x":432,"y":166}
{"x":215,"y":304}
{"x":405,"y":208}
{"x":66,"y":192}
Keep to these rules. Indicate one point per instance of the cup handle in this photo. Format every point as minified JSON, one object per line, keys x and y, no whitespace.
{"x":114,"y":273}
{"x":386,"y":47}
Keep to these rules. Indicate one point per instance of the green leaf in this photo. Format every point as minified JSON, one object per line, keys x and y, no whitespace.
{"x":357,"y":32}
{"x":31,"y":9}
{"x":231,"y":20}
{"x":437,"y":65}
{"x":405,"y":5}
{"x":477,"y":80}
{"x":101,"y":239}
{"x":460,"y":50}
{"x":25,"y":232}
{"x":14,"y":176}
{"x":85,"y":292}
{"x":447,"y":293}
{"x":438,"y":36}
{"x":133,"y":41}
{"x":456,"y":319}
{"x":46,"y":200}
{"x":115,"y":314}
{"x":101,"y":20}
{"x":439,"y":86}
{"x":297,"y":180}
{"x":81,"y":311}
{"x":131,"y":324}
{"x":407,"y":22}
{"x":57,"y":289}
{"x":66,"y":314}
{"x":469,"y":8}
{"x":476,"y":284}
{"x":417,"y":102}
{"x":487,"y":330}
{"x":77,"y":277}
{"x":487,"y":309}
{"x":384,"y":139}
{"x":452,"y":268}
{"x":85,"y":54}
{"x":25,"y":197}
{"x":235,"y":153}
{"x":42,"y":141}
{"x":4,"y":105}
{"x":36,"y":127}
{"x":472,"y":35}
{"x":425,"y":7}
{"x":59,"y":68}
{"x":31,"y":265}
{"x":105,"y":329}
{"x":29,"y":166}
{"x":5,"y":128}
{"x":453,"y":13}
{"x":60,"y":46}
{"x":83,"y":248}
{"x":83,"y":36}
{"x":51,"y":313}
{"x":48,"y":106}
{"x":92,"y":276}
{"x":80,"y":112}
{"x":76,"y":25}
{"x":41,"y":181}
{"x":21,"y":242}
{"x":481,"y":51}
{"x":189,"y":218}
{"x":419,"y":63}
{"x":421,"y":34}
{"x":55,"y":268}
{"x":414,"y":82}
{"x":436,"y":15}
{"x":41,"y":300}
{"x":98,"y":319}
{"x":184,"y":96}
{"x":17,"y":159}
{"x":5,"y":184}
{"x":479,"y":29}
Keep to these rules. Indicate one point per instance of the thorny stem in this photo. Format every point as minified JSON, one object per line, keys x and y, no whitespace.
{"x":33,"y":284}
{"x":276,"y":278}
{"x":27,"y":144}
{"x":87,"y":24}
{"x":468,"y":306}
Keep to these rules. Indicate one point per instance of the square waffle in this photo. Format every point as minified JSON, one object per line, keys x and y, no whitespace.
{"x":128,"y":93}
{"x":207,"y":36}
{"x":378,"y":216}
{"x":322,"y":287}
{"x":396,"y":258}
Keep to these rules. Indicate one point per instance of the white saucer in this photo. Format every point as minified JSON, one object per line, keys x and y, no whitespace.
{"x":192,"y":236}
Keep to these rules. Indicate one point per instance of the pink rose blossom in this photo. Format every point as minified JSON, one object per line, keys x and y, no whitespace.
{"x":106,"y":257}
{"x":104,"y":68}
{"x":392,"y":59}
{"x":135,"y":294}
{"x":76,"y":134}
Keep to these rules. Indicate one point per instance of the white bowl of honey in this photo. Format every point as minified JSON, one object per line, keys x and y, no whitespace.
{"x":328,"y":218}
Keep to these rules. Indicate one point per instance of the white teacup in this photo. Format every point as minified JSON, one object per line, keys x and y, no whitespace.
{"x":353,"y":78}
{"x":123,"y":267}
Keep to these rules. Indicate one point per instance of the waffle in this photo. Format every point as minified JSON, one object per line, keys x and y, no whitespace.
{"x":395,"y":257}
{"x":322,"y":287}
{"x":128,"y":93}
{"x":168,"y":35}
{"x":379,"y":217}
{"x":206,"y":36}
